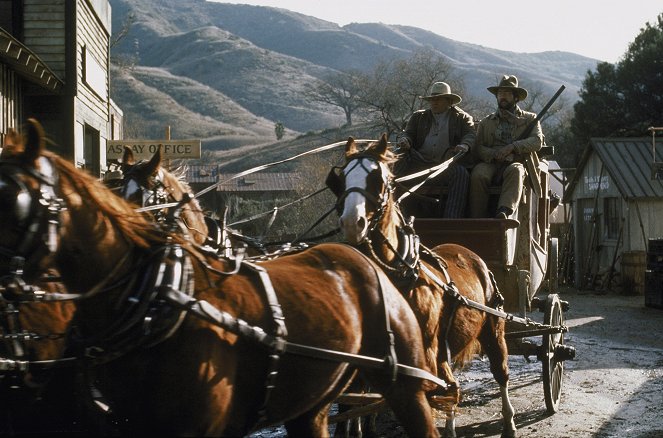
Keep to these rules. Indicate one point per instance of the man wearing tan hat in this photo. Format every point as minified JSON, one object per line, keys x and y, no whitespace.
{"x":435,"y":135}
{"x":498,"y":147}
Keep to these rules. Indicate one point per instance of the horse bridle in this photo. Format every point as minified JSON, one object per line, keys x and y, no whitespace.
{"x":407,"y":266}
{"x":38,"y":216}
{"x":156,"y":193}
{"x":37,"y":213}
{"x":336,"y":184}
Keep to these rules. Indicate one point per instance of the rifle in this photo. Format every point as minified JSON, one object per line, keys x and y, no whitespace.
{"x":530,"y":164}
{"x":542,"y":113}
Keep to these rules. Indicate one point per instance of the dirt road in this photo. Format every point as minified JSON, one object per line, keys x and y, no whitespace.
{"x":614,"y":387}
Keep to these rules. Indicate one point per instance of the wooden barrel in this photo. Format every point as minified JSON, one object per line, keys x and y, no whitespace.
{"x":634,"y":264}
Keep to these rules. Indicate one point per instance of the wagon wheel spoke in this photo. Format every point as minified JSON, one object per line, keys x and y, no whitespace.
{"x":552,"y":363}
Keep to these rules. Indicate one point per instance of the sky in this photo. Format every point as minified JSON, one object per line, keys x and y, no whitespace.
{"x":600,"y":29}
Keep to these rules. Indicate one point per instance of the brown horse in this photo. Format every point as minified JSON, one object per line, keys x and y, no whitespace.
{"x":371,"y":220}
{"x":175,"y":342}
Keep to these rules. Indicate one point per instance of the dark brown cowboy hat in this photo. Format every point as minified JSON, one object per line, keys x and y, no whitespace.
{"x":509,"y":82}
{"x":442,"y":89}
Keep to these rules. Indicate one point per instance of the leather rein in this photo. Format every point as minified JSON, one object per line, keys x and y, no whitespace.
{"x":408,"y":264}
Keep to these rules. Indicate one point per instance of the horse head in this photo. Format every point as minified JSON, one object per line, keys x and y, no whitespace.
{"x":365,"y":189}
{"x":143,"y":180}
{"x":26,"y":185}
{"x":147,"y":184}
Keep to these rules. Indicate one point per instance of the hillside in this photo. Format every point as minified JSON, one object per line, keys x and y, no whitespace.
{"x":227,"y":73}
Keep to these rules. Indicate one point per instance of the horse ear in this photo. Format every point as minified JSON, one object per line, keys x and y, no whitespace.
{"x":35,"y":142}
{"x":128,"y":156}
{"x":381,"y":146}
{"x":350,"y":147}
{"x":155,"y":162}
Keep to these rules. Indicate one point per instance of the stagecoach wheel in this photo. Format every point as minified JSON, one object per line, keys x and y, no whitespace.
{"x":553,"y":273}
{"x":553,"y":368}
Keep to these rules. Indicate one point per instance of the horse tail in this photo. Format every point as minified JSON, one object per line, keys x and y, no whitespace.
{"x":494,"y":297}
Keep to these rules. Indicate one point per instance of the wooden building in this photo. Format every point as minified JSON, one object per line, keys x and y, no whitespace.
{"x":617,"y":205}
{"x":54,"y":66}
{"x":259,"y":187}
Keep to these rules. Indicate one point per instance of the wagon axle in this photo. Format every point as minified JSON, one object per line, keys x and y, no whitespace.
{"x":560,"y":353}
{"x":540,"y":304}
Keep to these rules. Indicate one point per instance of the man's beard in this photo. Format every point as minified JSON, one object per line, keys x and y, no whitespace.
{"x":506,"y":105}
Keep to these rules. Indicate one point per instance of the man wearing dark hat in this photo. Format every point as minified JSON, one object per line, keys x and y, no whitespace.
{"x":435,"y":135}
{"x":498,"y":148}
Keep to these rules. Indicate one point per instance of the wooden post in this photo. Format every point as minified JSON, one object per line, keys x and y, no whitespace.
{"x":167,"y":137}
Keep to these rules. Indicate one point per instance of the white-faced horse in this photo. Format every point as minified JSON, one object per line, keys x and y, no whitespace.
{"x":434,"y":282}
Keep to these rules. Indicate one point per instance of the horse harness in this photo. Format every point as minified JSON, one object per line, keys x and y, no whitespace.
{"x":406,"y":269}
{"x":154,"y":194}
{"x":408,"y":265}
{"x":153,"y":304}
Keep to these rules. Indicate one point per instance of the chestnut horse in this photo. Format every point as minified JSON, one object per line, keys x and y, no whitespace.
{"x":371,"y":220}
{"x":176,"y":342}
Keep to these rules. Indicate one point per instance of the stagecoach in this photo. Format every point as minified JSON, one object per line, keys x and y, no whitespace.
{"x":523,"y":256}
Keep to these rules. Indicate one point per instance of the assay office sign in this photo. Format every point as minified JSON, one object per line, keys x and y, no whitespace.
{"x":144,"y":149}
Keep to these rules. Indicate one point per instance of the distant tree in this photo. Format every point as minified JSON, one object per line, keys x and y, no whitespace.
{"x":559,"y":135}
{"x":338,"y":89}
{"x":124,"y":60}
{"x":624,"y":99}
{"x":390,"y":93}
{"x":537,"y":98}
{"x":127,"y":23}
{"x":279,"y":129}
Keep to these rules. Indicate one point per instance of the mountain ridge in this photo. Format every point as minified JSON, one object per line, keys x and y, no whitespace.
{"x":229,"y":73}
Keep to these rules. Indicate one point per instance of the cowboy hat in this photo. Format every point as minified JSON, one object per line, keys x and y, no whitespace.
{"x":442,"y":89}
{"x":509,"y":82}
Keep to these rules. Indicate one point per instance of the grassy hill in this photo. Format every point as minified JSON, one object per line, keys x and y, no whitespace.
{"x":228,"y":73}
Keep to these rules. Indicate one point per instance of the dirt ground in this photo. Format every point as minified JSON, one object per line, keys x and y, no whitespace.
{"x":613,"y":388}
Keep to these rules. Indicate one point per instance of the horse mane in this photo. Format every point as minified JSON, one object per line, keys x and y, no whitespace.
{"x":387,"y":156}
{"x":134,"y":226}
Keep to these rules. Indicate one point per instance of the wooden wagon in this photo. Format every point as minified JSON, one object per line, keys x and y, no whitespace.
{"x":523,"y":257}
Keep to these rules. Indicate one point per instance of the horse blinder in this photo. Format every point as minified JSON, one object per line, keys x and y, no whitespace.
{"x":335,"y":183}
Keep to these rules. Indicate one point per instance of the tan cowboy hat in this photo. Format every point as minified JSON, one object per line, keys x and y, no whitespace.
{"x":442,"y":89}
{"x":509,"y":82}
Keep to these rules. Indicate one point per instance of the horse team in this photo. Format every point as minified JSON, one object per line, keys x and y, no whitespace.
{"x":164,"y":332}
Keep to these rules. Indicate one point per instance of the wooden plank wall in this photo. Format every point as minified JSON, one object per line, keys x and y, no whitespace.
{"x":10,"y":100}
{"x":93,"y":39}
{"x":44,"y":32}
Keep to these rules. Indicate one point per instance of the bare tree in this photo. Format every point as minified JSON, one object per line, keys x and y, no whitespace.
{"x":391,"y":92}
{"x":340,"y":89}
{"x":118,"y":36}
{"x":537,"y":98}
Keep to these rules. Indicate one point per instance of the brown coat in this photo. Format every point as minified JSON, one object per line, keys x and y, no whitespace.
{"x":486,"y":143}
